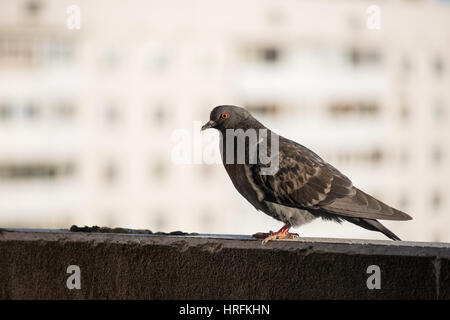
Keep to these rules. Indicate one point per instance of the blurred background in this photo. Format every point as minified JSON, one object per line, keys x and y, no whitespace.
{"x":87,"y":115}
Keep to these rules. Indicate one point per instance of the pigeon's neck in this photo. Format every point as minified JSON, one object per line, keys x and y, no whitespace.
{"x":252,"y":123}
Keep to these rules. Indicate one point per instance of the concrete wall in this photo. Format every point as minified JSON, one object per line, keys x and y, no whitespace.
{"x":33,"y":265}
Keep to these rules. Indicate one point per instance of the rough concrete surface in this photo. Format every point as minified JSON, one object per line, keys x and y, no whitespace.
{"x":33,"y":265}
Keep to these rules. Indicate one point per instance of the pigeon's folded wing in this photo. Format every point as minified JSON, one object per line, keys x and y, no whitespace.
{"x":305,"y":181}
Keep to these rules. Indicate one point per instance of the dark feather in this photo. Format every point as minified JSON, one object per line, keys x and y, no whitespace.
{"x":305,"y":181}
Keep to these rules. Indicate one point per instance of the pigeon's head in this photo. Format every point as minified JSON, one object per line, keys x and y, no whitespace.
{"x":227,"y":117}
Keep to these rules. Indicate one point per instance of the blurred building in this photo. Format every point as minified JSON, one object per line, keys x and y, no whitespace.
{"x":87,"y":115}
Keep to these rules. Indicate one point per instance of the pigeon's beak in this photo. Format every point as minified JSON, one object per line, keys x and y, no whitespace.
{"x":209,"y":124}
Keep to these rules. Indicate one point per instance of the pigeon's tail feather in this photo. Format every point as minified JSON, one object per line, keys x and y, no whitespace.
{"x":374,"y":225}
{"x":363,"y":206}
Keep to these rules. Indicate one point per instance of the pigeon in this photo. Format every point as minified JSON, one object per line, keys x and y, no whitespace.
{"x":301,"y":188}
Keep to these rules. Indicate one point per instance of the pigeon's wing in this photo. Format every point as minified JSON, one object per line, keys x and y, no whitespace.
{"x":305,"y":181}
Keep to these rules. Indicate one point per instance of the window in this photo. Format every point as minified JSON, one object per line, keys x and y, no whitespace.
{"x":33,"y":7}
{"x":438,"y":66}
{"x":404,"y":110}
{"x":275,"y":16}
{"x":25,"y":50}
{"x":268,"y":55}
{"x":31,"y":111}
{"x":34,"y":171}
{"x":405,"y":113}
{"x":437,"y":155}
{"x":17,"y":50}
{"x":64,"y":110}
{"x":359,"y":57}
{"x":406,"y":65}
{"x":404,"y":157}
{"x":271,"y":109}
{"x":59,"y":50}
{"x":368,"y":108}
{"x":158,"y":62}
{"x":436,"y":201}
{"x":158,"y":171}
{"x":109,"y":58}
{"x":365,"y":157}
{"x":112,"y":114}
{"x":439,"y":110}
{"x":159,"y":114}
{"x":34,"y":110}
{"x":6,"y":111}
{"x":110,"y":173}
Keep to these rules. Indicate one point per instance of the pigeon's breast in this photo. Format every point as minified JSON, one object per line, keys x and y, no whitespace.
{"x":245,"y":185}
{"x":243,"y":181}
{"x":240,"y":178}
{"x":292,"y":216}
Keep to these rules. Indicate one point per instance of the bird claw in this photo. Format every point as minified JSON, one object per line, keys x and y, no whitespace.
{"x":280,"y":236}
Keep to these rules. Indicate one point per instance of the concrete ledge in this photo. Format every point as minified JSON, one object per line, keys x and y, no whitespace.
{"x":33,"y":265}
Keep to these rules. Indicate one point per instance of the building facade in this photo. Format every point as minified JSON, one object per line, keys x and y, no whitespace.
{"x":87,"y":115}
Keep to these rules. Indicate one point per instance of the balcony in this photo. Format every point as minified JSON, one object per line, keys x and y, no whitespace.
{"x":59,"y":264}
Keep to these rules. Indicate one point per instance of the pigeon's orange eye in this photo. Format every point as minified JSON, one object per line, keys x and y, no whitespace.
{"x":224,"y":115}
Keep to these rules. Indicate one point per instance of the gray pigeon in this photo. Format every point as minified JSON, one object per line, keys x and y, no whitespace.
{"x":303,"y":186}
